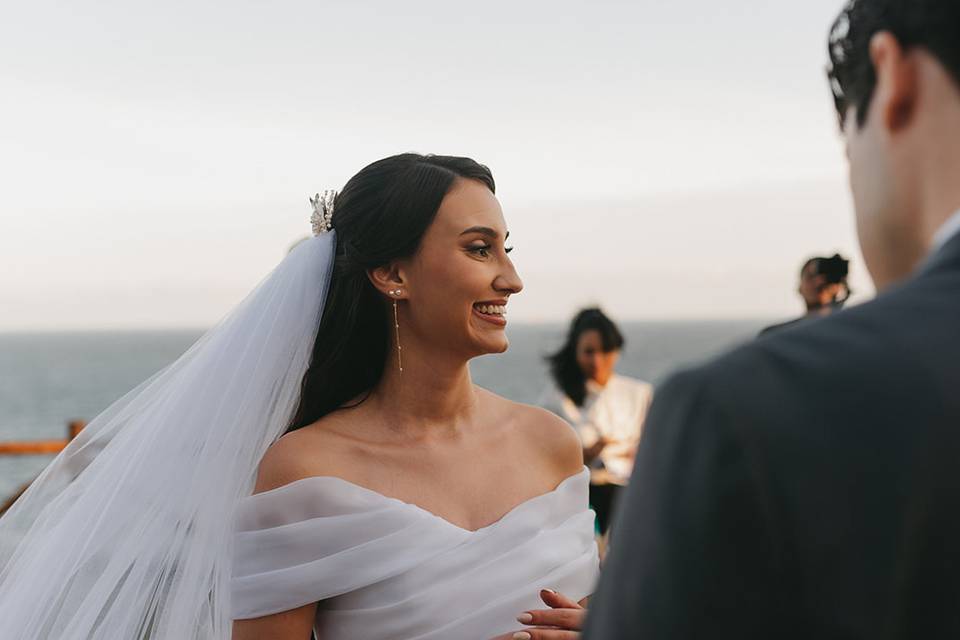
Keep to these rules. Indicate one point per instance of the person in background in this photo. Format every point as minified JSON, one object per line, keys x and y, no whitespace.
{"x":823,"y":287}
{"x":605,"y":408}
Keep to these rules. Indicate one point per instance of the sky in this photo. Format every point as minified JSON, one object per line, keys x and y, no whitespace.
{"x":663,"y":160}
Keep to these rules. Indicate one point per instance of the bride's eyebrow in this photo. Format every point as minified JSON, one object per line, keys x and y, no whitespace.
{"x":486,"y":231}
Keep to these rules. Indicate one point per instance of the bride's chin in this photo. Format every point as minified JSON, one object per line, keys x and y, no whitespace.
{"x":503,"y":348}
{"x":486,"y":338}
{"x":489,"y":347}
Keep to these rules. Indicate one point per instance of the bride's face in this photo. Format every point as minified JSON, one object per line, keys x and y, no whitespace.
{"x":461,"y":278}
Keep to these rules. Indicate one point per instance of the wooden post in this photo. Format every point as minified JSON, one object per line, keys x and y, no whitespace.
{"x":74,"y":427}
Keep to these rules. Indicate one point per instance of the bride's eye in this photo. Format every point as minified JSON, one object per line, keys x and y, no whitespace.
{"x":508,"y":249}
{"x":480,"y":250}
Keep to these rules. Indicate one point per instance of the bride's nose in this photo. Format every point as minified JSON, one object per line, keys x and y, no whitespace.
{"x":509,"y":281}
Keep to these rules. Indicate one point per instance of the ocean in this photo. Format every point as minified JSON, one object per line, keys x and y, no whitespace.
{"x":47,"y":379}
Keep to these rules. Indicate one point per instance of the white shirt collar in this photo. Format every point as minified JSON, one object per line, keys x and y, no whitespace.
{"x":946,"y":232}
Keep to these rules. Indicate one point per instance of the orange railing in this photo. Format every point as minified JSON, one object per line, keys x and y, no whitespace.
{"x":36,"y":447}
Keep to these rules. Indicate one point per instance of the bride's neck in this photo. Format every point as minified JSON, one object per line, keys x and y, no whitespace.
{"x":432,"y":395}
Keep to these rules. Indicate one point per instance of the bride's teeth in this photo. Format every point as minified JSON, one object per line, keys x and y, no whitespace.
{"x":492,"y":310}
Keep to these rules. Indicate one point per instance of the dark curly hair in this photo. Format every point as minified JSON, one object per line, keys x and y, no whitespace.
{"x":931,"y":24}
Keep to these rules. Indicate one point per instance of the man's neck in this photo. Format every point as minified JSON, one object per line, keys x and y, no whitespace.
{"x":947,"y":230}
{"x":938,"y":189}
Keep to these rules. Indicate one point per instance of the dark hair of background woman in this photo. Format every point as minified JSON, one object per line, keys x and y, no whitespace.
{"x":563,"y":364}
{"x":834,"y":270}
{"x":380,"y":216}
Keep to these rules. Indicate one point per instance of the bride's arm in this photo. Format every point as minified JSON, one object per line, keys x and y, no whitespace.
{"x":296,"y":624}
{"x":280,"y":466}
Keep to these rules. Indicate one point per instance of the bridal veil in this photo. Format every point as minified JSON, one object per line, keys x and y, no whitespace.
{"x":128,"y":532}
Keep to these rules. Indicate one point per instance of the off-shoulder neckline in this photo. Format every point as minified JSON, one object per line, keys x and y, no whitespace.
{"x":410,"y":505}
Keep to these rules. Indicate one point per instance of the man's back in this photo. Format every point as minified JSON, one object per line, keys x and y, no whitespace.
{"x":805,"y":485}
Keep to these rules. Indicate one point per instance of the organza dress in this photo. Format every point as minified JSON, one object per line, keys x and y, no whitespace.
{"x":383,"y":569}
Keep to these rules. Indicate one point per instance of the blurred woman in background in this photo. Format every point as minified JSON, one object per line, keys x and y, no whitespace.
{"x":606,"y":409}
{"x":823,"y":287}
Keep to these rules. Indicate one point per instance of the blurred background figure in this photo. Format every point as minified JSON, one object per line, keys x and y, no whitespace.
{"x":605,"y":408}
{"x":823,"y":287}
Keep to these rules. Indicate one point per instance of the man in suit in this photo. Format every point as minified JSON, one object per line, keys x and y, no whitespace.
{"x":807,"y":485}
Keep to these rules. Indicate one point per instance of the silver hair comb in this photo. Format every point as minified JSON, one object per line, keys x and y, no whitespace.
{"x":322,"y":217}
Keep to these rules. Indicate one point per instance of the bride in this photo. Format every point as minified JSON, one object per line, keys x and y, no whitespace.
{"x":401,"y":501}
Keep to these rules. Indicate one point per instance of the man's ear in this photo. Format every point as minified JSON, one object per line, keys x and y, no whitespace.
{"x":896,"y":91}
{"x":388,"y":280}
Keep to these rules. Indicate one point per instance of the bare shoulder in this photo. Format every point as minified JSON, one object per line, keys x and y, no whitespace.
{"x":306,"y":452}
{"x":283,"y":463}
{"x":543,"y":433}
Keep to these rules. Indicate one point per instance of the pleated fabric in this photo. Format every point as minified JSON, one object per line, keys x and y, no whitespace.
{"x":386,"y":569}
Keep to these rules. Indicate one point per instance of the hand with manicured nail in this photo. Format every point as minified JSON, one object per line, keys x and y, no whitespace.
{"x":562,"y":621}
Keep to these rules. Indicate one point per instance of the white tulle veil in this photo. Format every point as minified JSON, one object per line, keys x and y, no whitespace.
{"x":127,"y":534}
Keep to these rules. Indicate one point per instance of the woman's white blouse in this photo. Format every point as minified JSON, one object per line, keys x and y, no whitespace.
{"x":386,"y":569}
{"x":616,"y":412}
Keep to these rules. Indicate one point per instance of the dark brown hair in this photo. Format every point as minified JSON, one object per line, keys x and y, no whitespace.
{"x":380,"y":216}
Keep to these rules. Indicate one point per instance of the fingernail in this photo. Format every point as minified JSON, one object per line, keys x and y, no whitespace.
{"x":550,"y":591}
{"x":521,"y":635}
{"x":524,"y":618}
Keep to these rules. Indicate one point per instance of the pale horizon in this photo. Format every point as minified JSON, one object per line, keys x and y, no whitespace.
{"x":664,"y":162}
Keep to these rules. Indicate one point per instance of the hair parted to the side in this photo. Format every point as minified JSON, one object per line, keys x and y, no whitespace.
{"x":380,"y":216}
{"x":931,"y":24}
{"x":563,"y":364}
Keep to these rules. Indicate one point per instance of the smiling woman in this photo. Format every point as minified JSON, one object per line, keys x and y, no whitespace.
{"x":321,"y":462}
{"x":383,"y":214}
{"x":396,"y":463}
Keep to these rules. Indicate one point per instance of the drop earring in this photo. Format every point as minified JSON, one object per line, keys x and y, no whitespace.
{"x":396,"y":326}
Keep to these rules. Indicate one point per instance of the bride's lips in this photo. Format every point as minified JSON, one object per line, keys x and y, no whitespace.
{"x":492,"y":311}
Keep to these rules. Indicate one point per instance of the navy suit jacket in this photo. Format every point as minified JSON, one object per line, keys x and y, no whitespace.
{"x":805,"y":485}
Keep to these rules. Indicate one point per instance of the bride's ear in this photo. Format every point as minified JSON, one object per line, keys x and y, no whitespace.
{"x":388,"y":280}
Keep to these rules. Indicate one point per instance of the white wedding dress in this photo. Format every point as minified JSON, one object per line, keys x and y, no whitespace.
{"x":383,"y":569}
